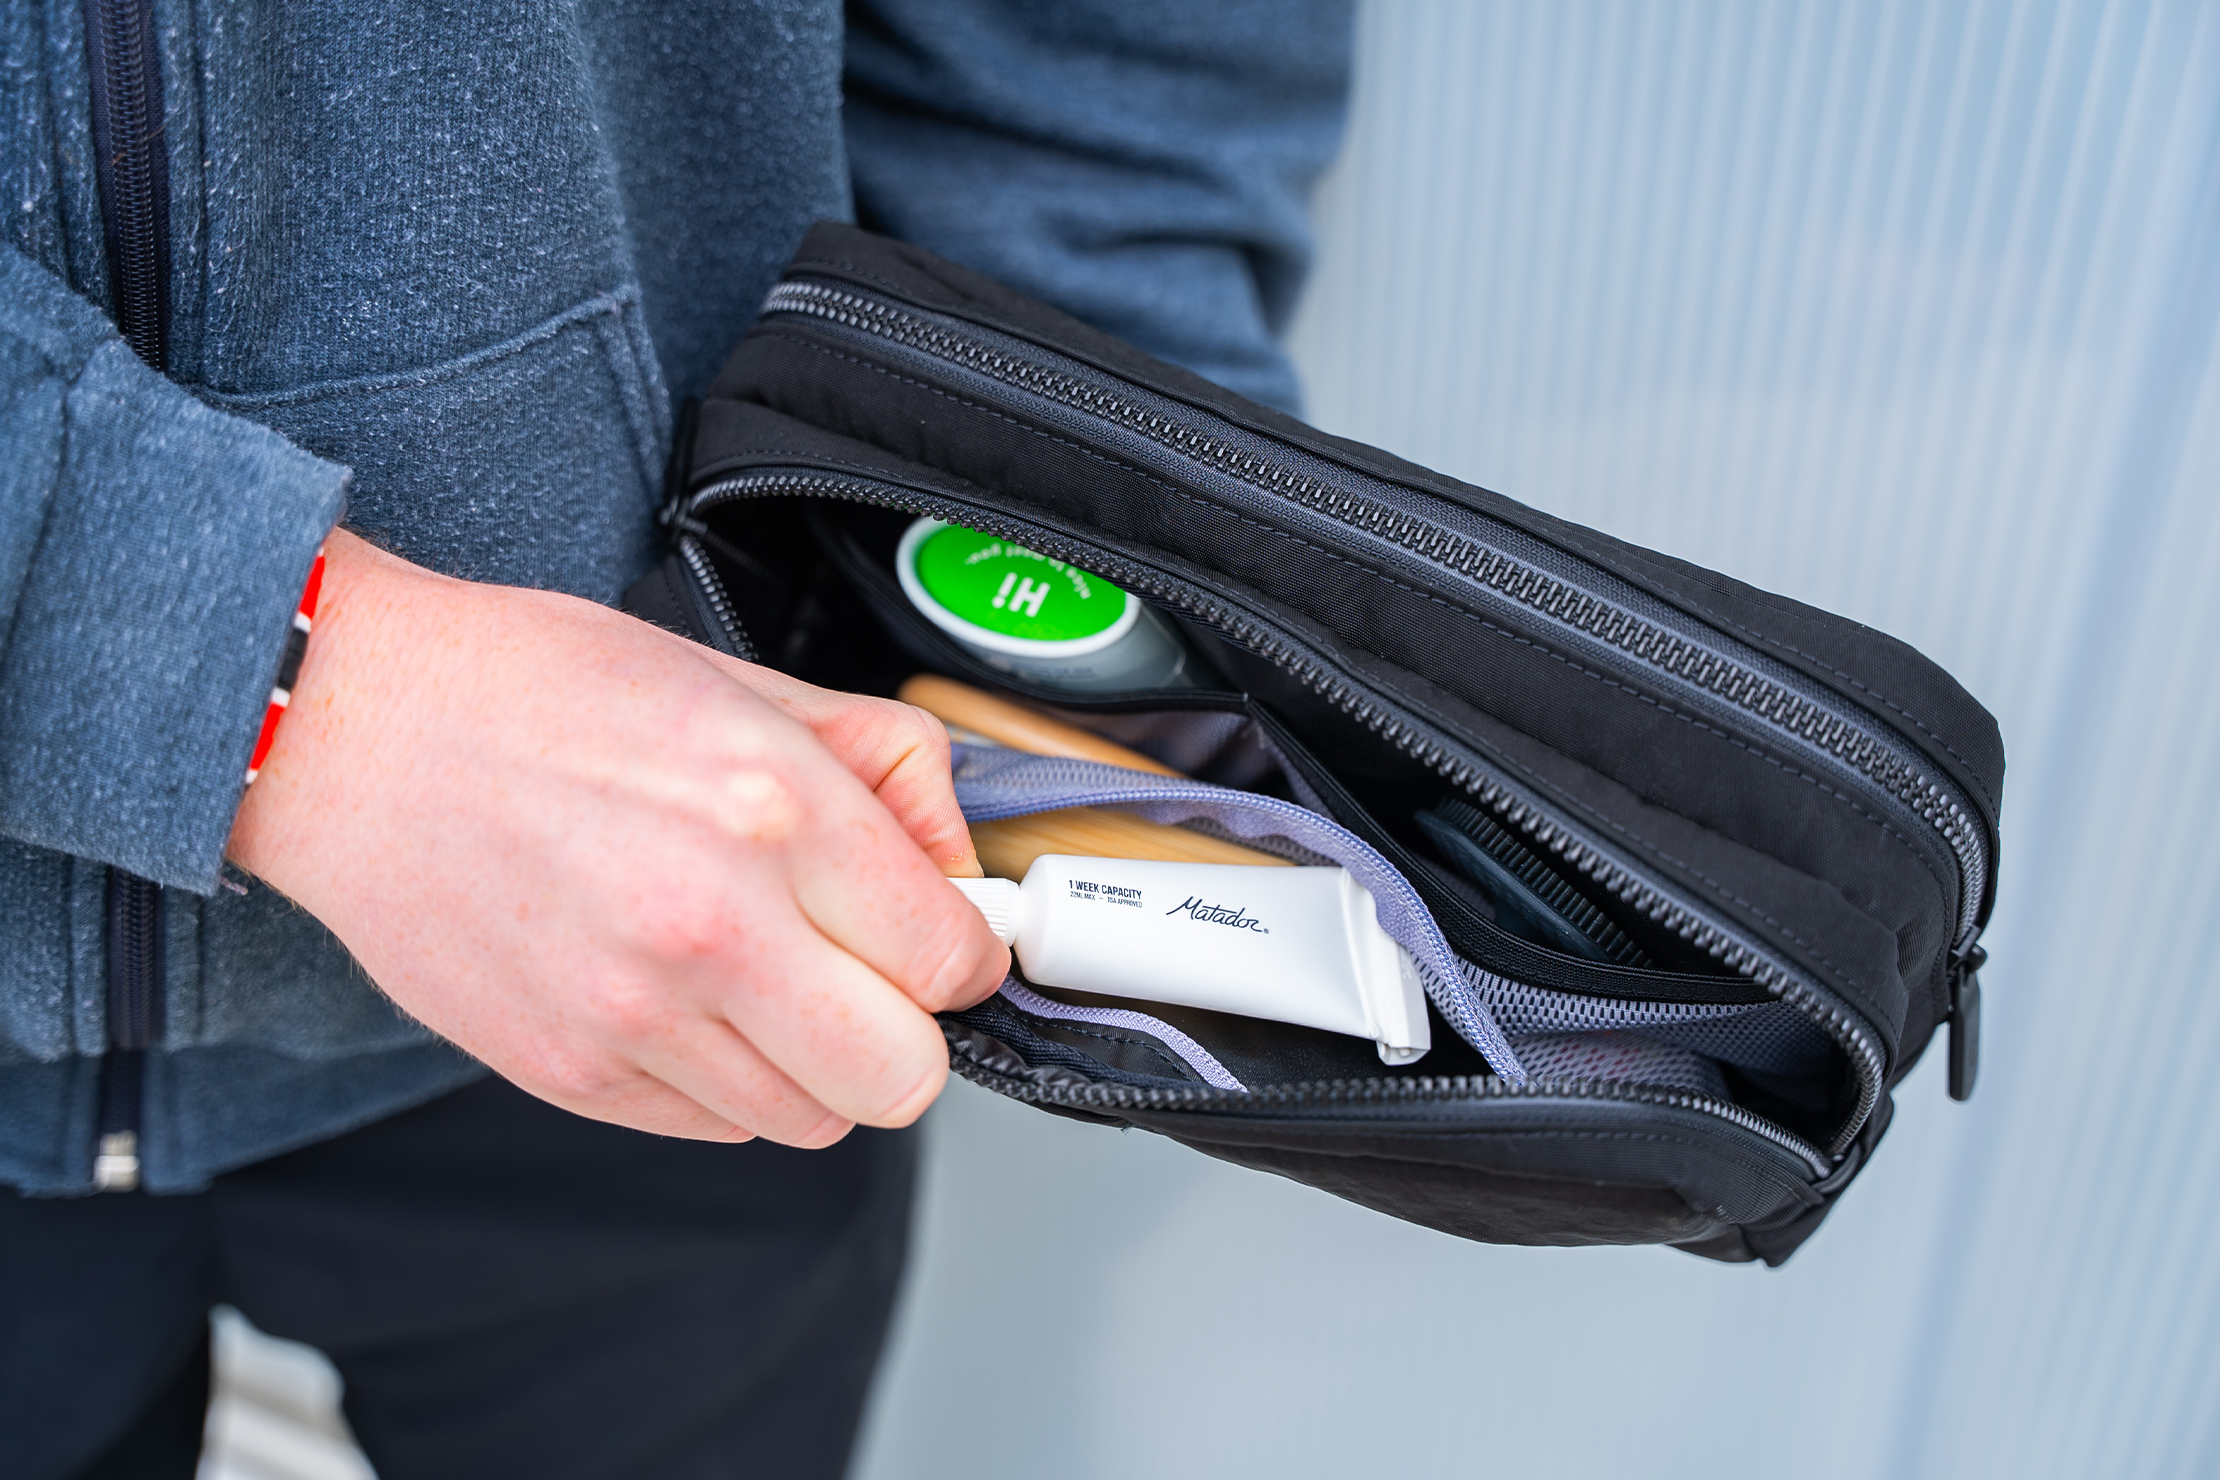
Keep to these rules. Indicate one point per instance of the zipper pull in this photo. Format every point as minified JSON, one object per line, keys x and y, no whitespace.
{"x":1965,"y":1019}
{"x":681,"y":460}
{"x":116,"y":1168}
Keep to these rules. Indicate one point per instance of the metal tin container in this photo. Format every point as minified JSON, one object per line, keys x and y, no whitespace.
{"x":1036,"y":618}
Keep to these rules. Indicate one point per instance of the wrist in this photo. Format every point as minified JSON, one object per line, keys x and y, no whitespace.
{"x":305,"y":760}
{"x":289,"y":667}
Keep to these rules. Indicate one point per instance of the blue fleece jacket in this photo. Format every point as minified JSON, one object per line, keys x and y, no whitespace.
{"x":444,"y":267}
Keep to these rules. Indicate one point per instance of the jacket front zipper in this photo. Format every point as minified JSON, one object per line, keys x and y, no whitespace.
{"x":1851,"y":1034}
{"x":126,"y":73}
{"x":134,"y":950}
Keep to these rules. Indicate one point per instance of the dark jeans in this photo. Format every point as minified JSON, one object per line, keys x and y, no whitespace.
{"x":507,"y":1290}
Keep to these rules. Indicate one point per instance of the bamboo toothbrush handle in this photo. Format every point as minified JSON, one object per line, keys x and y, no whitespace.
{"x":999,"y":720}
{"x":1007,"y":848}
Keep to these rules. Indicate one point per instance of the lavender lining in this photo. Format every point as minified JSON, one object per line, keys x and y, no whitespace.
{"x":993,"y":783}
{"x":1192,"y":1053}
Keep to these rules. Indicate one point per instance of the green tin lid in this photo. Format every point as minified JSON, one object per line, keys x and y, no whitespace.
{"x":1008,"y":592}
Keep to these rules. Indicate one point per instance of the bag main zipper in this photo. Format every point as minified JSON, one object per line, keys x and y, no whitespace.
{"x":133,"y":169}
{"x":1410,"y":1090}
{"x":1855,"y":1038}
{"x":1935,"y":802}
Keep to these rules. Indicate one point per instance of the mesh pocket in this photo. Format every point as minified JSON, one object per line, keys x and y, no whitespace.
{"x":1628,"y":1058}
{"x":1769,"y":1038}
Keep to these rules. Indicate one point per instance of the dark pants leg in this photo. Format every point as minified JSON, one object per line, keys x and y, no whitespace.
{"x":508,"y":1289}
{"x":103,"y":1323}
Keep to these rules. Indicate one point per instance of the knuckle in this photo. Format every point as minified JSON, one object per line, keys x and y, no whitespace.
{"x":680,"y":924}
{"x":921,"y":1090}
{"x":954,"y":958}
{"x":924,"y":731}
{"x":572,"y":1077}
{"x":628,"y":1009}
{"x":895,"y":730}
{"x":799,"y":1121}
{"x":826,"y":1132}
{"x":763,"y":805}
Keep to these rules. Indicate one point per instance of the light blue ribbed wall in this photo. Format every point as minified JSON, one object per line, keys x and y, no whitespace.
{"x":1906,"y":310}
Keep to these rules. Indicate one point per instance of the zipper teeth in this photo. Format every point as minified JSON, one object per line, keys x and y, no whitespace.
{"x":126,"y":79}
{"x":1418,"y":1090}
{"x":1853,"y":1036}
{"x":720,"y":604}
{"x":134,"y":206}
{"x":131,"y":1006}
{"x":1740,"y":686}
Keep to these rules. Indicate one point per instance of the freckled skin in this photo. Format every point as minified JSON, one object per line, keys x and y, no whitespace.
{"x":643,"y":881}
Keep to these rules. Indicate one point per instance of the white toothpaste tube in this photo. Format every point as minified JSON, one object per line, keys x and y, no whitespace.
{"x":1297,"y":945}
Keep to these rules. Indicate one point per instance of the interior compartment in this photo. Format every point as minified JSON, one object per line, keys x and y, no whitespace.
{"x":812,"y":583}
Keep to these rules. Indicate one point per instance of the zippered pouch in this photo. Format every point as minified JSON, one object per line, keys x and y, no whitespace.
{"x":1691,"y":873}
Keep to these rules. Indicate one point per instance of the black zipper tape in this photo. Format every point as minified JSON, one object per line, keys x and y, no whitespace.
{"x":133,"y":938}
{"x":133,"y":168}
{"x":975,"y":1062}
{"x":132,"y":162}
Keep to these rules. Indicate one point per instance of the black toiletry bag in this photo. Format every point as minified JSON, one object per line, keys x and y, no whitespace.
{"x":1707,"y":867}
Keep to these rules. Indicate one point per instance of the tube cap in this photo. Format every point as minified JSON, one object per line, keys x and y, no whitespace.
{"x":997,"y":899}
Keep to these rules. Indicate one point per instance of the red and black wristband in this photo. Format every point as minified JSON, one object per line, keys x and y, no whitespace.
{"x":289,"y":667}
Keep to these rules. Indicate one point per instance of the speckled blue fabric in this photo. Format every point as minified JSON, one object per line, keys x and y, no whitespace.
{"x":445,"y":267}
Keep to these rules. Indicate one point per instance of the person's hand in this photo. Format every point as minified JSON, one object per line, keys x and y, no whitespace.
{"x":642,"y":881}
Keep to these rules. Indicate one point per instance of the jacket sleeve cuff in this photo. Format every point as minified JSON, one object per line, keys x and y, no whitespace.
{"x":151,"y":622}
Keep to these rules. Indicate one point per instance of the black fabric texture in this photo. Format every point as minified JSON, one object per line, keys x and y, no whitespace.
{"x":1492,"y":1207}
{"x":1584,"y":1146}
{"x":1863,"y":953}
{"x":506,"y":1289}
{"x":841,"y":424}
{"x":1587,"y":1172}
{"x":1949,"y":723}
